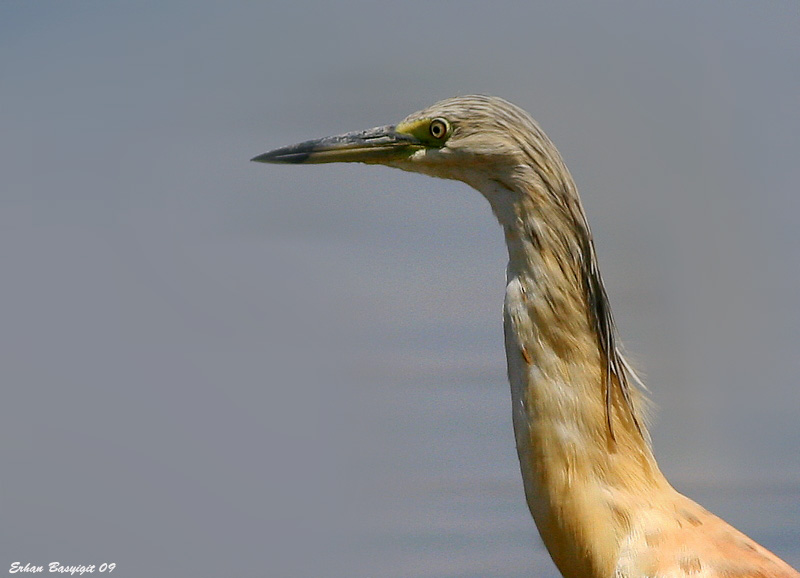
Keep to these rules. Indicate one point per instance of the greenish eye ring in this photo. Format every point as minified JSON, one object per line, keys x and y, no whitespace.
{"x":439,"y":128}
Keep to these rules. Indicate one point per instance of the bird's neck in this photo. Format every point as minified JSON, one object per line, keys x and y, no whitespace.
{"x":578,"y":460}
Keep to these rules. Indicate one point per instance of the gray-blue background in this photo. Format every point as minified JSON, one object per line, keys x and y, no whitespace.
{"x":212,"y":367}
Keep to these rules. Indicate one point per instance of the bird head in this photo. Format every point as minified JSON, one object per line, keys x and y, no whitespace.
{"x":457,"y":138}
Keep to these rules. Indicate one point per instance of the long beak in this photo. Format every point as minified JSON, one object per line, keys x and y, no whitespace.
{"x":376,"y":145}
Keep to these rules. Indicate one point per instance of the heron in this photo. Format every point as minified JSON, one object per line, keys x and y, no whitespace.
{"x":602,"y":506}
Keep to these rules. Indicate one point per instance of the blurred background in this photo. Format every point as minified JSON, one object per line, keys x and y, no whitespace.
{"x":215,"y":367}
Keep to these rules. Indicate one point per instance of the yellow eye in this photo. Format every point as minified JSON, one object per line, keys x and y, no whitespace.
{"x":439,"y":128}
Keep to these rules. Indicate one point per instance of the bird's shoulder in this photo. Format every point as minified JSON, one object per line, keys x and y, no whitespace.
{"x":684,"y":540}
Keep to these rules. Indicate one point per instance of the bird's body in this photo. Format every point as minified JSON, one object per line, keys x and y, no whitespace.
{"x":601,"y":505}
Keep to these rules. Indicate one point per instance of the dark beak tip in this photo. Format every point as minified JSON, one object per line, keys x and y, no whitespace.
{"x":288,"y":155}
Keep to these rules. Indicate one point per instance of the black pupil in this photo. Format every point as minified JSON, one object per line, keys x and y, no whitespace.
{"x":437,"y":129}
